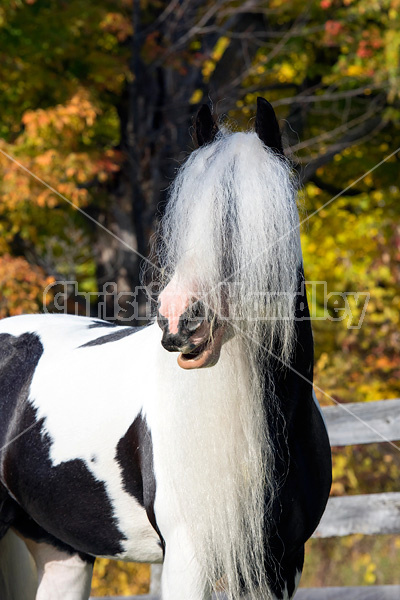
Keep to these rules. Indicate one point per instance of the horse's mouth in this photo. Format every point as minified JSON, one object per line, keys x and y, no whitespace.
{"x":206,"y":354}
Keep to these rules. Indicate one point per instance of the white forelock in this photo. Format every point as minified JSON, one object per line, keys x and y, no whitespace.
{"x":232,"y":219}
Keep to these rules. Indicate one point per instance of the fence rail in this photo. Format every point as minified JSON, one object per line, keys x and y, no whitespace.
{"x":363,"y":422}
{"x":376,"y":592}
{"x":369,"y":514}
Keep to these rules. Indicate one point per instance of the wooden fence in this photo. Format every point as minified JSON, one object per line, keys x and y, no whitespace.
{"x":369,"y":514}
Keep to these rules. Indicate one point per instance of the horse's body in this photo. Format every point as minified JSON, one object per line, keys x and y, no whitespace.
{"x":109,"y":448}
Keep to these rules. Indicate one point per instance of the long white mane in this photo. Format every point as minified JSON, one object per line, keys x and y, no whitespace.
{"x":232,"y":218}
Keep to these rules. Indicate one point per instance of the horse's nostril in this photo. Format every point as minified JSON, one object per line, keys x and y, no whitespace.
{"x":172,"y":343}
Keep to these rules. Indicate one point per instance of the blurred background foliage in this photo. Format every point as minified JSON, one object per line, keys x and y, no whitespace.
{"x":97,"y":100}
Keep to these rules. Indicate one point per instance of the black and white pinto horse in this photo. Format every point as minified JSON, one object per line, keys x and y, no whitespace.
{"x":111,"y":446}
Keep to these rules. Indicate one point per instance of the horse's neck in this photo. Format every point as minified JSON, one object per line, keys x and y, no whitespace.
{"x":292,"y":381}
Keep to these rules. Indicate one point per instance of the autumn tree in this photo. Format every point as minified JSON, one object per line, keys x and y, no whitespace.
{"x":103,"y":96}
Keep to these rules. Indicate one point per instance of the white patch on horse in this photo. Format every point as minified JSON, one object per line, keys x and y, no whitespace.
{"x":285,"y":591}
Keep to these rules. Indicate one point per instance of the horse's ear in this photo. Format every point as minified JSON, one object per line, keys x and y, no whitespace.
{"x":206,"y":127}
{"x":267,"y":127}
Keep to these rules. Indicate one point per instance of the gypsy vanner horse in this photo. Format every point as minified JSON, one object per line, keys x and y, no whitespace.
{"x":112,"y":446}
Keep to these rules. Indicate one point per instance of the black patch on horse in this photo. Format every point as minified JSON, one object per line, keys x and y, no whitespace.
{"x":95,"y":324}
{"x":135,"y":457}
{"x":63,"y":504}
{"x":19,"y":357}
{"x":111,"y":337}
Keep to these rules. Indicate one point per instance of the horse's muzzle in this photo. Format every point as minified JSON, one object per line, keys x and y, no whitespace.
{"x":198,"y":341}
{"x":174,"y":343}
{"x":206,"y":353}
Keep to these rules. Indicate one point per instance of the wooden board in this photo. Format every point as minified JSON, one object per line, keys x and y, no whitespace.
{"x":370,"y":514}
{"x":376,"y":592}
{"x":363,"y":422}
{"x":144,"y":597}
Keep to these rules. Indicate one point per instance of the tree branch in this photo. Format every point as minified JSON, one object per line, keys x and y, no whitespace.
{"x":332,"y":189}
{"x":328,"y":135}
{"x":306,"y":99}
{"x":356,"y":136}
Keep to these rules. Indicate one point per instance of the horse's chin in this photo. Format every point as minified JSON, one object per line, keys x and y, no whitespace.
{"x":206,"y":354}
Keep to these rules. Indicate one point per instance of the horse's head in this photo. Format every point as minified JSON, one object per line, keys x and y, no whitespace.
{"x":219,"y":224}
{"x":191,"y":328}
